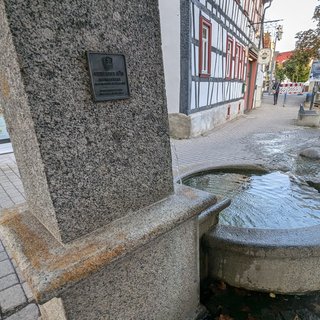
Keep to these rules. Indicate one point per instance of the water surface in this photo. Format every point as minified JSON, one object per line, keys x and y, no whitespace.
{"x":271,"y":201}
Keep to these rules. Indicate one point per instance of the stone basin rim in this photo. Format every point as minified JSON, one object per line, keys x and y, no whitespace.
{"x":273,"y":242}
{"x":196,"y":172}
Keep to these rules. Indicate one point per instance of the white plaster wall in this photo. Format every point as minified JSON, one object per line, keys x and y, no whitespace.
{"x":170,"y":34}
{"x":202,"y":122}
{"x":258,"y":92}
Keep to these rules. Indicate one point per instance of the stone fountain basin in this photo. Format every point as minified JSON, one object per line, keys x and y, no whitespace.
{"x":285,"y":261}
{"x":273,"y":260}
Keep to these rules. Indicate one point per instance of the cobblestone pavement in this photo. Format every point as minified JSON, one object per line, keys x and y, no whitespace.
{"x":231,"y":143}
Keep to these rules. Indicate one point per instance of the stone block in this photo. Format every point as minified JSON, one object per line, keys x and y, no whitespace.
{"x":28,"y":292}
{"x":312,"y":153}
{"x":141,"y":285}
{"x":84,"y":164}
{"x":142,"y":264}
{"x":12,"y":298}
{"x":308,"y":118}
{"x":19,"y":274}
{"x":180,"y":126}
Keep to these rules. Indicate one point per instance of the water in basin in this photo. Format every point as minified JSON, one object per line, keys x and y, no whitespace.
{"x":271,"y":200}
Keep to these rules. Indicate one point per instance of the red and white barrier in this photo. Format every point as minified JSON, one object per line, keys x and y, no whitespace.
{"x":292,"y":88}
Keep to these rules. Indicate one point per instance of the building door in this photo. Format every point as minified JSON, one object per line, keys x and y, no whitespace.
{"x":250,"y":80}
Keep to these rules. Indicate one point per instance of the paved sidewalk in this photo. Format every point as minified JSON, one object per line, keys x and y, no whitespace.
{"x":229,"y":144}
{"x":233,"y":142}
{"x":11,"y":189}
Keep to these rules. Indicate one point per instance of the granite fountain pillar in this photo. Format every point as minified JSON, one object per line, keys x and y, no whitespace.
{"x":105,"y":233}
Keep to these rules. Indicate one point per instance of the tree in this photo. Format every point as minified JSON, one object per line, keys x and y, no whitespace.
{"x":297,"y":68}
{"x":310,"y":39}
{"x":280,"y":72}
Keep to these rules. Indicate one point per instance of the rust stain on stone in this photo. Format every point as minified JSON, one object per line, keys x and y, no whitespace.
{"x":4,"y":86}
{"x":86,"y":268}
{"x":34,"y":248}
{"x":69,"y":265}
{"x":71,"y":256}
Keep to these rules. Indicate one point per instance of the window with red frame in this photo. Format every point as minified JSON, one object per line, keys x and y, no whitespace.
{"x":229,"y":57}
{"x":205,"y":47}
{"x":237,"y":60}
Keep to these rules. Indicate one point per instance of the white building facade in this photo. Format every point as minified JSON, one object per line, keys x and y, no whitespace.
{"x":210,"y":50}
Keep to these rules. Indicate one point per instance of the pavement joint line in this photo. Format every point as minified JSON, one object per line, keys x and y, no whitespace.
{"x":8,"y":274}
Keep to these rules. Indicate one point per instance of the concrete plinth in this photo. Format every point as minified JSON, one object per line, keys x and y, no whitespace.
{"x":143,"y":266}
{"x":308,"y":118}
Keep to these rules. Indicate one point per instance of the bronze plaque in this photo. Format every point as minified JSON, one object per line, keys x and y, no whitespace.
{"x":108,"y":75}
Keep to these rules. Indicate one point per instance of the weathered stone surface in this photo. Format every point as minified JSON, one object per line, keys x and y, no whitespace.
{"x":265,"y":259}
{"x":312,"y":153}
{"x":27,"y":292}
{"x":309,"y":118}
{"x":180,"y":126}
{"x":12,"y":298}
{"x":53,"y":267}
{"x":30,"y":312}
{"x":142,"y":286}
{"x":84,"y":164}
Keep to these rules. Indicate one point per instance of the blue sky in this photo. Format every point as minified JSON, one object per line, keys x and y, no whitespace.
{"x":297,"y":15}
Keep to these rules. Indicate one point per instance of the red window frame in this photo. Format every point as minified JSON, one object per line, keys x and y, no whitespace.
{"x":208,"y":24}
{"x":237,"y":57}
{"x":229,"y":72}
{"x":243,"y":76}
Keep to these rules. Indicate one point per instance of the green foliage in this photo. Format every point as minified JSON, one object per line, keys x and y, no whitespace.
{"x":280,"y":72}
{"x":310,"y":39}
{"x":297,"y":68}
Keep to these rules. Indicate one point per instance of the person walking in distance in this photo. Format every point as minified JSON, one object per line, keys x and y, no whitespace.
{"x":275,"y":91}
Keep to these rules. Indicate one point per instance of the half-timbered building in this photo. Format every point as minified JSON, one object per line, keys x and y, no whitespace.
{"x":210,"y":50}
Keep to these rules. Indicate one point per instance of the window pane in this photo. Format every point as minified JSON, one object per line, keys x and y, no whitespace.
{"x":205,"y":53}
{"x":204,"y":33}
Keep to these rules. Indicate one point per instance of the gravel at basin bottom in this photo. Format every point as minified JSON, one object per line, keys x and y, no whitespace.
{"x":229,"y":303}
